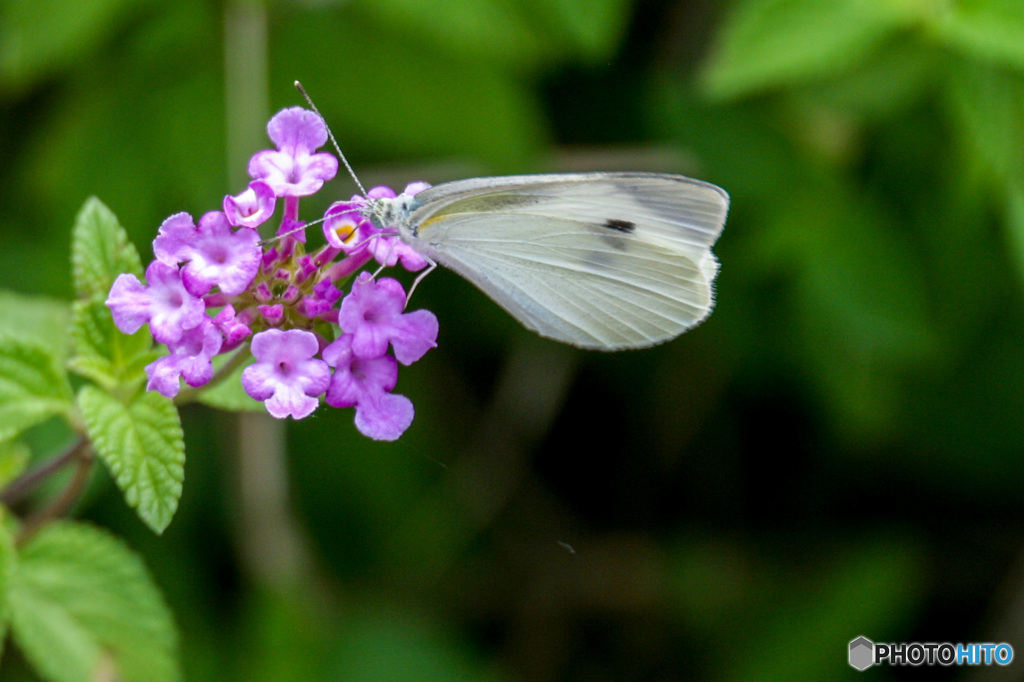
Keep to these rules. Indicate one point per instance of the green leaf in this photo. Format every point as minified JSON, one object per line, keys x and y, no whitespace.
{"x":32,"y":387}
{"x":8,"y":562}
{"x":768,"y":43}
{"x":990,"y":105}
{"x":40,"y":319}
{"x":143,"y":447}
{"x":869,"y":307}
{"x":492,"y":31}
{"x":32,"y":43}
{"x":102,"y":352}
{"x":499,"y":121}
{"x":100,"y":250}
{"x":518,"y":34}
{"x":84,"y":607}
{"x":591,"y":27}
{"x":868,"y":588}
{"x":1015,"y":218}
{"x":889,"y":81}
{"x":14,"y":457}
{"x":229,"y":394}
{"x":984,"y":29}
{"x":373,"y":646}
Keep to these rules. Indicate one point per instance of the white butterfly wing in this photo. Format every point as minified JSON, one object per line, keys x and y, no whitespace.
{"x":598,"y":260}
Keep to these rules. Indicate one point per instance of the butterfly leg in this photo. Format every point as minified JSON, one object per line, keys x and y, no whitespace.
{"x":430,"y":268}
{"x":384,"y":262}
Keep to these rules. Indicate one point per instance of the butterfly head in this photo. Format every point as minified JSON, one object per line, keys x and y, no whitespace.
{"x":388,"y":213}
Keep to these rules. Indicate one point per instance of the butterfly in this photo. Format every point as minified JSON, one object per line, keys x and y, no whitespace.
{"x":603,"y":261}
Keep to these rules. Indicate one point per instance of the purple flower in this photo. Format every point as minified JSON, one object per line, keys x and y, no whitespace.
{"x":292,"y":229}
{"x":270,"y":256}
{"x":305,"y":268}
{"x":286,"y":375}
{"x":381,"y":192}
{"x":294,"y":169}
{"x":251,"y":208}
{"x":273,"y":314}
{"x":345,"y":227}
{"x":165,"y":304}
{"x":372,"y":313}
{"x":414,"y":188}
{"x":321,"y":302}
{"x":235,"y":328}
{"x":190,"y":358}
{"x":214,"y":287}
{"x":390,"y":250}
{"x":366,"y":384}
{"x":262,"y":292}
{"x":215,"y":255}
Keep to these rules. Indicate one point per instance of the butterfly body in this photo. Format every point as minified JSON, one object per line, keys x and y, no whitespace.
{"x":603,"y":261}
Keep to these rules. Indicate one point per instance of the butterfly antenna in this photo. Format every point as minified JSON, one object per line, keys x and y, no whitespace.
{"x":291,"y":232}
{"x":302,"y":91}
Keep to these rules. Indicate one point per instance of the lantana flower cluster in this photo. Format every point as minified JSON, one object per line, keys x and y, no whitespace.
{"x":217,"y":287}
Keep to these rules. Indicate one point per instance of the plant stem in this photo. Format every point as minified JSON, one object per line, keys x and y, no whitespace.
{"x":26,"y":483}
{"x":83,"y":460}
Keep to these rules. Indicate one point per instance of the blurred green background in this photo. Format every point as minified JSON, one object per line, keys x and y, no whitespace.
{"x":836,"y":452}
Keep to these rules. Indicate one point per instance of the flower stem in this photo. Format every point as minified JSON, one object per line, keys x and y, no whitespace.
{"x":349,"y":265}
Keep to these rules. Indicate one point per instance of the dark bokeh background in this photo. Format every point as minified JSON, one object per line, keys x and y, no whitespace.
{"x":836,"y":452}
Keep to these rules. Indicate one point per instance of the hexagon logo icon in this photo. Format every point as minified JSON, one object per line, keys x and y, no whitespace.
{"x":862,"y":653}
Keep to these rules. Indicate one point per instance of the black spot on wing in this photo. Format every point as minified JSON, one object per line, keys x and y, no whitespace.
{"x":620,"y":225}
{"x":618,"y":230}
